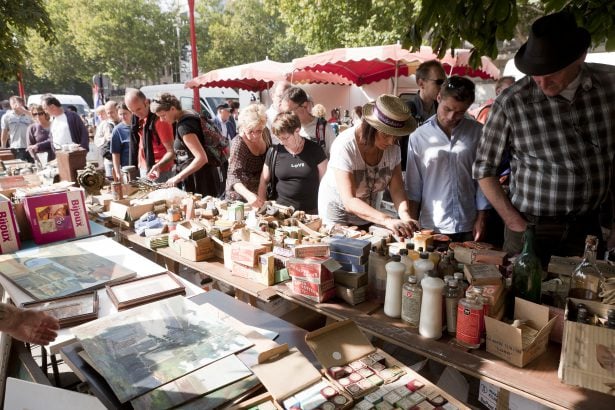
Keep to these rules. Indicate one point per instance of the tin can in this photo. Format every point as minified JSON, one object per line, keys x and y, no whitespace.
{"x":116,"y":191}
{"x":129,"y":173}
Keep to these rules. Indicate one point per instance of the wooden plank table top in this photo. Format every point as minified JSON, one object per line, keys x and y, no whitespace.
{"x":213,"y":268}
{"x":537,"y":381}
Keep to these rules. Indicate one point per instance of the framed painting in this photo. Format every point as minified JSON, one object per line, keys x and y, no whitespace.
{"x":69,"y":310}
{"x":139,"y":291}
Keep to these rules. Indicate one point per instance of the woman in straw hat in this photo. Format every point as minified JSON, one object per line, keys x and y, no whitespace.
{"x":365,"y":161}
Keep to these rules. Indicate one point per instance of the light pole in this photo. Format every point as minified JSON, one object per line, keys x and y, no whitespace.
{"x":195,"y":65}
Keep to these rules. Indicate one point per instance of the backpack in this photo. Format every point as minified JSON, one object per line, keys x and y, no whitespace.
{"x":216,"y":146}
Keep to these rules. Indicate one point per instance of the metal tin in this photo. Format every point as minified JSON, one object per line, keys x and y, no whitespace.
{"x":116,"y":191}
{"x":129,"y":173}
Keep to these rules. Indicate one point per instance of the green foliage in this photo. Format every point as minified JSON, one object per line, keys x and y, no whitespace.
{"x":18,"y":17}
{"x":324,"y":25}
{"x":242,"y":31}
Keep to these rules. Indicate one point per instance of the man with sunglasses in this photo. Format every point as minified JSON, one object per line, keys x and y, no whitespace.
{"x":557,"y":125}
{"x":443,"y":196}
{"x":430,"y":76}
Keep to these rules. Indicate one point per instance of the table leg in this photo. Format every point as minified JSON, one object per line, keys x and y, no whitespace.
{"x":56,"y":371}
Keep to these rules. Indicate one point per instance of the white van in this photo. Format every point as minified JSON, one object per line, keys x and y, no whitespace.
{"x":602,"y":58}
{"x":65,"y":100}
{"x":210,"y":97}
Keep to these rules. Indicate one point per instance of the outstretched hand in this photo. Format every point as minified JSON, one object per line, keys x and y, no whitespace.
{"x":34,"y":327}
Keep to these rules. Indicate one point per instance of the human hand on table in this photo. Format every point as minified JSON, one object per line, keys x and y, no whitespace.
{"x":32,"y":326}
{"x":400,"y":228}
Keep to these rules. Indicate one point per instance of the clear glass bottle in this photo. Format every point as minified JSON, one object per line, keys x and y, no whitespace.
{"x":461,"y":283}
{"x":375,"y":272}
{"x":406,"y":260}
{"x":451,"y":300}
{"x":434,"y":256}
{"x":527,"y":270}
{"x":414,"y":255}
{"x":586,"y":280}
{"x":430,"y":323}
{"x":445,"y":266}
{"x":412,"y":295}
{"x":394,"y":281}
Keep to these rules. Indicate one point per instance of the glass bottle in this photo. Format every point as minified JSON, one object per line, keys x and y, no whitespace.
{"x":610,"y":319}
{"x":434,"y":256}
{"x":412,"y":295}
{"x":430,"y":323}
{"x":461,"y":283}
{"x":394,"y":281}
{"x":406,"y":260}
{"x":586,"y":280}
{"x":422,"y":266}
{"x":452,"y":300}
{"x":445,"y":266}
{"x":527,"y":270}
{"x":414,"y":255}
{"x":377,"y":261}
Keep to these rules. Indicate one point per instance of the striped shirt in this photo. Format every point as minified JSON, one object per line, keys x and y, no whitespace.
{"x":561,"y":151}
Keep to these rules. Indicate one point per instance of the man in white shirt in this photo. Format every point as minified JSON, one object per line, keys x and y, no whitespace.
{"x":317,"y":129}
{"x":277,"y":92}
{"x":443,"y":195}
{"x":67,"y":126}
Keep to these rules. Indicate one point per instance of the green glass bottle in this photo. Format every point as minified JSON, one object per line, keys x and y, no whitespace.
{"x":527,"y":270}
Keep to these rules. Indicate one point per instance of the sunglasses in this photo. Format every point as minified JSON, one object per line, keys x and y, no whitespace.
{"x":460,"y":83}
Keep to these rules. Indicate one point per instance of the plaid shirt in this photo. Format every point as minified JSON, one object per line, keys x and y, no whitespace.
{"x":561,"y":152}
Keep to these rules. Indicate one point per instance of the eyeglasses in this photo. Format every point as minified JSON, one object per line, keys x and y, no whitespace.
{"x":34,"y":114}
{"x":438,"y":81}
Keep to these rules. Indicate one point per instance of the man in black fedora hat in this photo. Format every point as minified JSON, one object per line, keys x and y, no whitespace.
{"x":558,"y":125}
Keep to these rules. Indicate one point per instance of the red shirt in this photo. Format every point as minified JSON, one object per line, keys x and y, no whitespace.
{"x":165,"y":132}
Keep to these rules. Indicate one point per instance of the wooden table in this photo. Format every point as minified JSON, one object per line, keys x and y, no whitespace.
{"x":537,"y":381}
{"x":249,"y":315}
{"x":214,"y":269}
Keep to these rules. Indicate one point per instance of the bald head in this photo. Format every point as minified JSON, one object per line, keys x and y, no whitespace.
{"x":136,"y":102}
{"x":111,"y":110}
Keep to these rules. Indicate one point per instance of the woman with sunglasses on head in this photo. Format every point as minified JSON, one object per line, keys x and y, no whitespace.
{"x":296,"y":165}
{"x":39,"y":133}
{"x":248,"y":155}
{"x":193,"y":172}
{"x":365,"y":161}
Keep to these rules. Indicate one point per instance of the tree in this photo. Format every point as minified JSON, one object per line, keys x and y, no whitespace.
{"x":19,"y":17}
{"x":244,"y":31}
{"x":447,"y":23}
{"x":324,"y":25}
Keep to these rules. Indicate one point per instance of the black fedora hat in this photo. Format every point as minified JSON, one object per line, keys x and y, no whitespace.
{"x":555,"y":42}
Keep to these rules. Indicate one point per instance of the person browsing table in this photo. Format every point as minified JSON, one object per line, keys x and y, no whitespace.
{"x":365,"y":161}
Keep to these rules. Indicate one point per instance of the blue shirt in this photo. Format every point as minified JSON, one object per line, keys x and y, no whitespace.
{"x":439,"y":176}
{"x":120,"y":142}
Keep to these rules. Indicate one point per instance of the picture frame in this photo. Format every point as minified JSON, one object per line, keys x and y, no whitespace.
{"x":69,"y":310}
{"x":139,"y":291}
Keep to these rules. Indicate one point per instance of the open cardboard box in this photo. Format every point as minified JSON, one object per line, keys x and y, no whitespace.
{"x":286,"y":372}
{"x":507,"y":341}
{"x":126,"y":213}
{"x":588,"y":351}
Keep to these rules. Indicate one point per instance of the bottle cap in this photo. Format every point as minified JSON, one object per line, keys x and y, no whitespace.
{"x":458,"y":275}
{"x":430,"y":248}
{"x":441,"y":249}
{"x":409,"y":245}
{"x":403,"y":251}
{"x":452,"y":283}
{"x":432,"y":273}
{"x":396,"y":258}
{"x":420,"y":249}
{"x":412,"y":279}
{"x":424,"y":255}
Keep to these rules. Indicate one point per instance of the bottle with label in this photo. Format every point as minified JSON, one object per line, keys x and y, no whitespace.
{"x":406,"y":260}
{"x":451,"y":301}
{"x":527,"y":270}
{"x":430,"y":322}
{"x":412,"y":295}
{"x":446,"y":266}
{"x":470,"y":313}
{"x":414,"y":255}
{"x":395,"y":276}
{"x":586,"y":280}
{"x":461,"y":283}
{"x":376,"y":272}
{"x":477,"y":292}
{"x":434,"y":256}
{"x":422,"y":266}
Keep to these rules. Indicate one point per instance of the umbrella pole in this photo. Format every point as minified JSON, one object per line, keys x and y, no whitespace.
{"x":396,"y":78}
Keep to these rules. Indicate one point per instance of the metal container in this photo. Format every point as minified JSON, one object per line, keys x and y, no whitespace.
{"x":129,"y":173}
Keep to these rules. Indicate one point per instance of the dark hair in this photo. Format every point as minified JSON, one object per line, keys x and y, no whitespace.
{"x":296,"y":95}
{"x":123,"y":106}
{"x":358,"y":111}
{"x":460,"y":88}
{"x":164,"y":102}
{"x":49,"y":99}
{"x":71,"y":108}
{"x":502,"y":80}
{"x":234,"y":105}
{"x":367,"y":134}
{"x":285,"y":122}
{"x":423,"y":70}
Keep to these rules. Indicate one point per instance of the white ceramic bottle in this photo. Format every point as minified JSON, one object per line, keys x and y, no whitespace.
{"x":430,"y":324}
{"x":406,"y":260}
{"x":395,"y":276}
{"x":422,"y":266}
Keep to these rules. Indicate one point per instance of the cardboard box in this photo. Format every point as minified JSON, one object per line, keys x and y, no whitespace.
{"x":566,"y":265}
{"x":286,"y":372}
{"x":57,"y":216}
{"x":191,"y":230}
{"x":311,"y":251}
{"x":469,"y":256}
{"x":352,"y":296}
{"x":482,"y":274}
{"x":195,"y":251}
{"x":318,"y":292}
{"x":245,"y":272}
{"x":9,"y":229}
{"x":246,"y":253}
{"x":350,"y":246}
{"x":508,"y":342}
{"x":316,"y":270}
{"x":348,"y":258}
{"x":349,"y":267}
{"x":350,"y":279}
{"x":587,"y":350}
{"x":126,"y":212}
